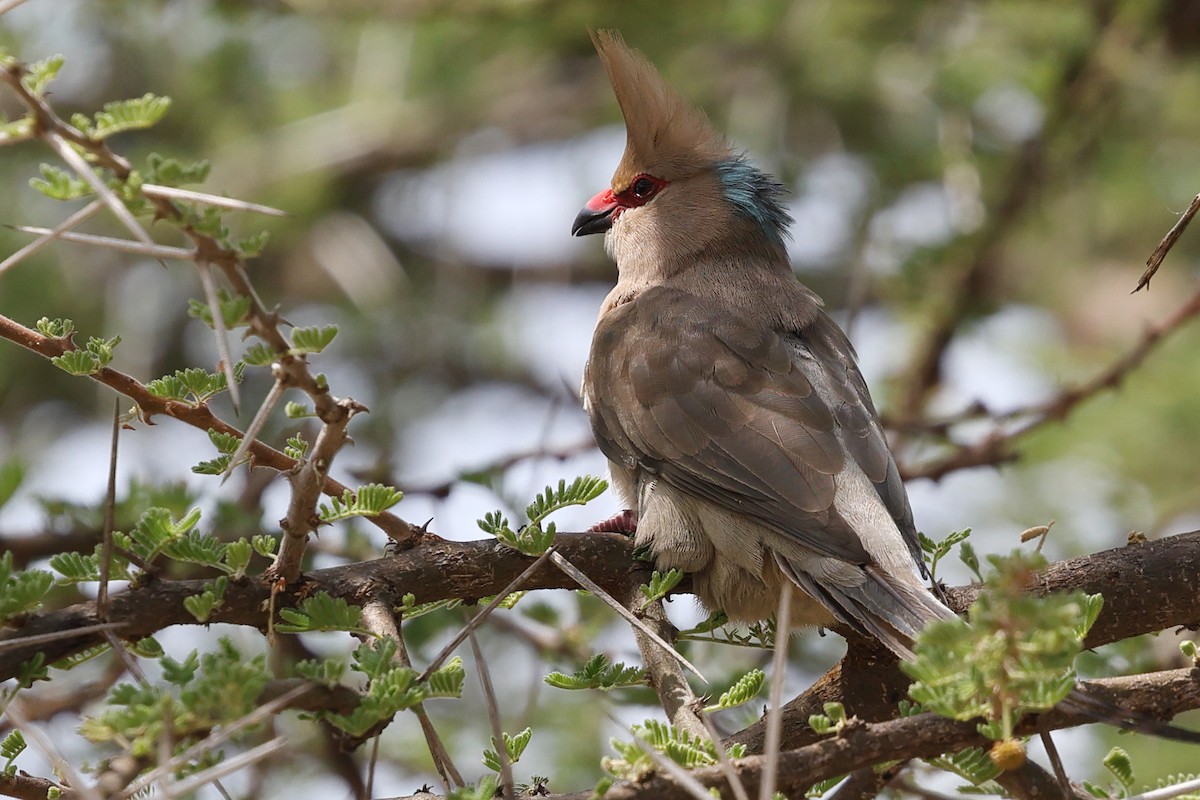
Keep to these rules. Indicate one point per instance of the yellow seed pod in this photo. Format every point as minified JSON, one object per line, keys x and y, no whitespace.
{"x":1008,"y":754}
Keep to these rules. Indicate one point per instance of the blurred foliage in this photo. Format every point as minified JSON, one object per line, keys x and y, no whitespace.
{"x":1059,"y":139}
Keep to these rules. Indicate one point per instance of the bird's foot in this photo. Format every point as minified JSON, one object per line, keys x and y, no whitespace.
{"x":626,"y":522}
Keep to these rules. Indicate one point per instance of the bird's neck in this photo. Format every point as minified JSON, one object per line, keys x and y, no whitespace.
{"x":741,"y":280}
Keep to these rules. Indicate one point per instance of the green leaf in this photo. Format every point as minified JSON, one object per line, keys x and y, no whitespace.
{"x":327,"y":671}
{"x":237,"y":557}
{"x":447,"y":681}
{"x":661,"y":583}
{"x":235,"y":309}
{"x":55,"y":328}
{"x":294,"y":410}
{"x":259,"y":355}
{"x":322,"y":612}
{"x":598,"y":673}
{"x":201,"y":606}
{"x":1120,"y":766}
{"x":58,"y":184}
{"x":1014,"y":658}
{"x":582,"y":490}
{"x":366,"y":501}
{"x":514,"y":746}
{"x":172,"y":172}
{"x":193,"y":385}
{"x":312,"y":339}
{"x":77,"y":362}
{"x":11,"y":747}
{"x":40,"y":73}
{"x":23,"y":591}
{"x":12,"y":473}
{"x":127,"y":115}
{"x":743,"y":691}
{"x":296,"y":447}
{"x":253,"y":245}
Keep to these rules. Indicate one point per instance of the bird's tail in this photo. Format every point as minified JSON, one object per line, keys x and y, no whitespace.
{"x":894,"y":612}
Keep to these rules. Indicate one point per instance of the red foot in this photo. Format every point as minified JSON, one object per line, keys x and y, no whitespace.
{"x":625,"y":522}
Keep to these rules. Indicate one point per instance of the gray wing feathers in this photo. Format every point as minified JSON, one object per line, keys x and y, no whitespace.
{"x":759,"y":423}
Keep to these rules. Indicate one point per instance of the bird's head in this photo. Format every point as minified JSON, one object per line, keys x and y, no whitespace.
{"x":679,"y":189}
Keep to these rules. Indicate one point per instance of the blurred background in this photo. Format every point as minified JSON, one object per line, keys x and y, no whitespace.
{"x":979,"y":181}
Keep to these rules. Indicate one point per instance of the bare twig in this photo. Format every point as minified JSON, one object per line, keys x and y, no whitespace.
{"x":46,"y":748}
{"x":110,"y":507}
{"x":493,"y":710}
{"x":216,"y":739}
{"x":997,"y":445}
{"x":226,"y":767}
{"x":1168,"y":241}
{"x":48,"y":235}
{"x":378,"y":617}
{"x":47,"y":638}
{"x":596,"y":589}
{"x":1056,"y":762}
{"x":783,"y":621}
{"x":254,"y":428}
{"x":232,"y":203}
{"x":222,"y":334}
{"x":662,"y":668}
{"x":478,"y":619}
{"x":158,"y":251}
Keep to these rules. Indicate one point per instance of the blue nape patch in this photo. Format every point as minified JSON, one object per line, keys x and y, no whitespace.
{"x":755,"y":194}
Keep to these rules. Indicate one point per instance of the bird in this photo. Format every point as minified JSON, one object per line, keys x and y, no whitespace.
{"x":728,"y":402}
{"x":737,"y":425}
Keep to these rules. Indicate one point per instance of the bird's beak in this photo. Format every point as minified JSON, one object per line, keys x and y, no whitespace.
{"x":596,"y":216}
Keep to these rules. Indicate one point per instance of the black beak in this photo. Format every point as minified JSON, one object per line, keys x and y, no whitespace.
{"x":592,"y":221}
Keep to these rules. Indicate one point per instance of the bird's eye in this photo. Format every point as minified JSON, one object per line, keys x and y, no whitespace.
{"x":643,"y":187}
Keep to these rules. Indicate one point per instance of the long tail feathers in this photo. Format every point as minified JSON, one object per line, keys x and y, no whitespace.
{"x":890,"y":611}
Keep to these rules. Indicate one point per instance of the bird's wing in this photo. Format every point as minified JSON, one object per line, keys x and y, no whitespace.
{"x":740,"y":415}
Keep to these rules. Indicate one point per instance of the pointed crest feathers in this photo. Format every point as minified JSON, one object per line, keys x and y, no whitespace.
{"x":664,"y":136}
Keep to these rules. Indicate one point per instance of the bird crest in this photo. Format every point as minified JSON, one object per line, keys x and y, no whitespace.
{"x":664,"y":136}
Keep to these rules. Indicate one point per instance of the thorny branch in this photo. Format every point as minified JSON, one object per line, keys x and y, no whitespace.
{"x":997,"y":446}
{"x":291,"y":368}
{"x":1082,"y":84}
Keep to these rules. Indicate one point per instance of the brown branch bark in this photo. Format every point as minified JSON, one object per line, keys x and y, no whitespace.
{"x":198,"y":416}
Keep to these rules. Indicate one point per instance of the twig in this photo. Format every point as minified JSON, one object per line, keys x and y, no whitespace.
{"x":77,"y":162}
{"x":493,"y":710}
{"x":46,"y":748}
{"x":378,"y":617}
{"x":227,"y":766}
{"x":47,"y":638}
{"x":110,"y":506}
{"x":783,"y":621}
{"x":1167,"y":792}
{"x":218,"y":318}
{"x":216,"y":739}
{"x":596,"y":589}
{"x":1168,"y":241}
{"x":996,"y":446}
{"x":231,"y":203}
{"x":662,"y":669}
{"x":1056,"y":762}
{"x":735,"y":783}
{"x":1026,"y":179}
{"x":255,"y":427}
{"x":158,"y":251}
{"x":690,"y":785}
{"x":478,"y":619}
{"x":48,"y":235}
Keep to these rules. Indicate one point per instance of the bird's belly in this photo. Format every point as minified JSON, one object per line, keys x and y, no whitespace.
{"x":732,"y":566}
